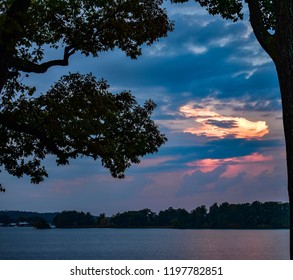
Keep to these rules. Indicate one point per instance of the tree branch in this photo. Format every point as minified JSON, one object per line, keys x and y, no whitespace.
{"x":30,"y":67}
{"x":10,"y":32}
{"x":11,"y":123}
{"x":266,"y":40}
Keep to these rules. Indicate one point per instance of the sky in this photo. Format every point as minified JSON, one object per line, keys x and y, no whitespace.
{"x":219,"y":106}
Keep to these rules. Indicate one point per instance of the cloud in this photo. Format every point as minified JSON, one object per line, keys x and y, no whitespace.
{"x":228,"y":124}
{"x":209,"y":183}
{"x":211,"y":124}
{"x":209,"y":77}
{"x":254,"y":163}
{"x":252,"y":54}
{"x":223,"y":41}
{"x":197,"y":49}
{"x":249,"y":176}
{"x":155,"y":161}
{"x":247,"y":74}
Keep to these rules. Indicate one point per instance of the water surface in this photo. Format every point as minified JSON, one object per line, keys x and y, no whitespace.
{"x":142,"y":244}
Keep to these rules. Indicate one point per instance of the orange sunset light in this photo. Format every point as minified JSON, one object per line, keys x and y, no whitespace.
{"x":211,"y":124}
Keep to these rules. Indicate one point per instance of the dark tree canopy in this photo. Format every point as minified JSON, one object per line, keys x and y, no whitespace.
{"x":69,"y":219}
{"x":78,"y":116}
{"x":256,"y":215}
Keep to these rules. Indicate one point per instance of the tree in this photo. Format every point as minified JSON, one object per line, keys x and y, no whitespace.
{"x":40,"y":223}
{"x":199,"y":217}
{"x":141,"y":218}
{"x":177,"y":218}
{"x":73,"y":219}
{"x":102,"y":221}
{"x":4,"y":219}
{"x":78,"y":116}
{"x":272,"y":23}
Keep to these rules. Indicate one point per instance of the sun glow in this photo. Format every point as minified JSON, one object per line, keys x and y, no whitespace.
{"x":211,"y":124}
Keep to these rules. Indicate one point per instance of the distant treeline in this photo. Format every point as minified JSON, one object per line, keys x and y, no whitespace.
{"x":18,"y":217}
{"x":23,"y":218}
{"x":256,"y":215}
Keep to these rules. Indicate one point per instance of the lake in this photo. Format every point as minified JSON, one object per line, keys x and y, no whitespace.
{"x":142,"y":244}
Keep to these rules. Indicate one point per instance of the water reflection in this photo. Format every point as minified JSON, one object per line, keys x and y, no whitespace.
{"x":28,"y":243}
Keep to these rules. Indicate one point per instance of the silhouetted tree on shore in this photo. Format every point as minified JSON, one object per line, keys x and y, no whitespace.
{"x":72,"y":219}
{"x":256,"y":215}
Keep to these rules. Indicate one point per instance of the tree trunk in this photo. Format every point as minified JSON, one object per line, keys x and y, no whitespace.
{"x":286,"y":86}
{"x":284,"y":63}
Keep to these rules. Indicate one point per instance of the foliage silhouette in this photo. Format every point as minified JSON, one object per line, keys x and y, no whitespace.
{"x":256,"y":215}
{"x":78,"y":116}
{"x":68,"y":219}
{"x":41,"y":223}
